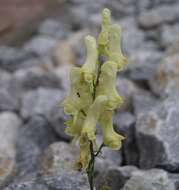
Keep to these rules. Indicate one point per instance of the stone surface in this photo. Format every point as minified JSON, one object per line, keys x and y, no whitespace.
{"x":35,"y":77}
{"x":114,"y":177}
{"x":52,"y":28}
{"x":33,"y":139}
{"x":56,"y":118}
{"x":11,"y":58}
{"x":159,"y":15}
{"x":125,"y":125}
{"x":131,"y":35}
{"x":143,"y":101}
{"x":40,"y":45}
{"x":40,"y":102}
{"x":169,"y":35}
{"x":142,"y":65}
{"x":57,"y":170}
{"x":157,"y":136}
{"x":154,"y":179}
{"x":174,"y":177}
{"x":58,"y":157}
{"x":167,"y":72}
{"x":9,"y":124}
{"x":7,"y":101}
{"x":73,"y":54}
{"x":126,"y":89}
{"x":9,"y":94}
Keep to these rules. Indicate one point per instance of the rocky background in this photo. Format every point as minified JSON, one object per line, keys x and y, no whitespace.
{"x":35,"y":59}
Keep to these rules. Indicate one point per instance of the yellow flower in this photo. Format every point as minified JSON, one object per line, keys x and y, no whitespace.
{"x":110,"y":137}
{"x":93,"y":96}
{"x":107,"y":85}
{"x":89,"y":127}
{"x":114,"y":47}
{"x":89,"y":69}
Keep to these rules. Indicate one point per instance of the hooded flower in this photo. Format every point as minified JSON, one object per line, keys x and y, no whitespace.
{"x":107,"y":85}
{"x":110,"y":137}
{"x":93,"y":96}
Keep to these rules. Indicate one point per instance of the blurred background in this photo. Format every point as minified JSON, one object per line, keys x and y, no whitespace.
{"x":40,"y":40}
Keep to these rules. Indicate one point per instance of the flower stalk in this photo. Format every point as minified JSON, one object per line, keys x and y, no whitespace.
{"x":93,"y":96}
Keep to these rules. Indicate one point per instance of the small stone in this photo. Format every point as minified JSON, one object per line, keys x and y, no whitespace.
{"x":9,"y":124}
{"x":31,"y":184}
{"x":125,"y":125}
{"x":7,"y":101}
{"x":169,"y":35}
{"x":12,"y":58}
{"x":64,"y":54}
{"x":67,"y":52}
{"x":33,"y":139}
{"x":160,"y":15}
{"x":142,"y":65}
{"x":167,"y":72}
{"x":143,"y":101}
{"x":131,"y":35}
{"x":114,"y":177}
{"x":35,"y":77}
{"x":154,"y":179}
{"x":9,"y":93}
{"x":40,"y":45}
{"x":52,"y":28}
{"x":57,"y":118}
{"x":157,"y":136}
{"x":63,"y":73}
{"x":126,"y":89}
{"x":58,"y":157}
{"x":40,"y":102}
{"x":57,"y":168}
{"x":174,"y":177}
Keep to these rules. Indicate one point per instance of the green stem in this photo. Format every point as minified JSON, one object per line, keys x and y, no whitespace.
{"x":90,"y":169}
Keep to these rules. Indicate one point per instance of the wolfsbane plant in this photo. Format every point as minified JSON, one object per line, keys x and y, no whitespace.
{"x":93,"y":96}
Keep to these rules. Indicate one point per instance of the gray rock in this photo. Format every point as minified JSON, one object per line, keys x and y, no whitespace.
{"x":5,"y":78}
{"x":7,"y":101}
{"x":160,"y":15}
{"x":66,"y":181}
{"x":40,"y":45}
{"x":126,"y":89}
{"x":30,"y":184}
{"x":166,"y":75}
{"x":154,"y":179}
{"x":12,"y":58}
{"x":56,"y":118}
{"x":57,"y":158}
{"x":142,"y":65}
{"x":40,"y":101}
{"x":55,"y":172}
{"x":57,"y":168}
{"x":114,"y":177}
{"x":52,"y":28}
{"x":9,"y":124}
{"x":143,"y":101}
{"x":169,"y":35}
{"x":157,"y":136}
{"x":35,"y":77}
{"x":33,"y":139}
{"x":9,"y":93}
{"x":125,"y":125}
{"x":131,"y":35}
{"x":174,"y":177}
{"x":124,"y":8}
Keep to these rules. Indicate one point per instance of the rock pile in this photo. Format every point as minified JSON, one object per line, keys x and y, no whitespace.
{"x":35,"y":153}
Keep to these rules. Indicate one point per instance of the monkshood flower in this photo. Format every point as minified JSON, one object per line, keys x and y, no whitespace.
{"x":93,"y":96}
